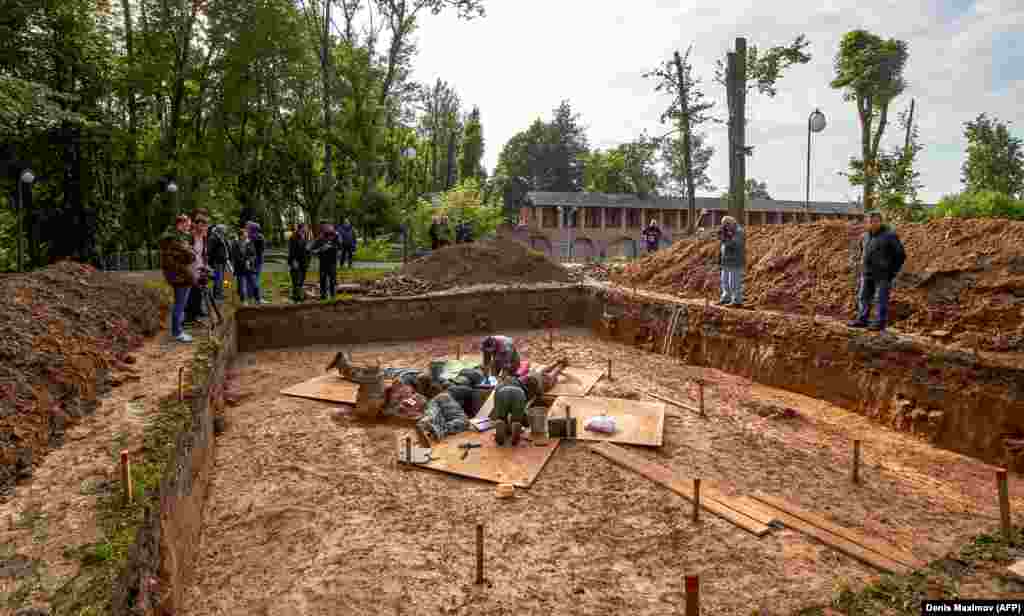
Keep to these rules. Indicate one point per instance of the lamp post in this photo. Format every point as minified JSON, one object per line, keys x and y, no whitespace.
{"x":815,"y":124}
{"x":26,"y":177}
{"x":167,"y":186}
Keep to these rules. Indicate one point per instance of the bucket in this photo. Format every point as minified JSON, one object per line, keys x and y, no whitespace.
{"x":436,"y":368}
{"x":538,"y":420}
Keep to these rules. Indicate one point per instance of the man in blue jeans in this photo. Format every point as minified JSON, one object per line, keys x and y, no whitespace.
{"x":180,"y":267}
{"x":882,"y":258}
{"x":732,"y":257}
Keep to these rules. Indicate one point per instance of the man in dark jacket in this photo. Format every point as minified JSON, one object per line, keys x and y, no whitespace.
{"x":882,"y":258}
{"x":652,"y":236}
{"x":326,"y":248}
{"x":217,"y":253}
{"x":347,"y":237}
{"x":435,"y":234}
{"x":298,"y":261}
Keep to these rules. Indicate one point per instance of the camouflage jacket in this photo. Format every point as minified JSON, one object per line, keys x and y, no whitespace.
{"x":178,"y":259}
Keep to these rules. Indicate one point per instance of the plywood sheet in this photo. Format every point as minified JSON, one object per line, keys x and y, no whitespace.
{"x":889,"y":551}
{"x":518,"y":465}
{"x":636,"y":423}
{"x":571,"y":382}
{"x":683,"y":487}
{"x":329,"y":387}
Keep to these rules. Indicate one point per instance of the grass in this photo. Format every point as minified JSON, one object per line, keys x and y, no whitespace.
{"x":276,"y":286}
{"x":89,"y":592}
{"x":902,"y":594}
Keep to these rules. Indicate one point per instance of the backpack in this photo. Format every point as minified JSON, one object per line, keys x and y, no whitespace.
{"x":218,"y":250}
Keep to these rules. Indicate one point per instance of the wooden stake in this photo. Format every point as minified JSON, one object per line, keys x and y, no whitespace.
{"x":692,"y":596}
{"x":856,"y":462}
{"x":551,"y":339}
{"x":408,"y":449}
{"x":610,"y":369}
{"x":700,"y":389}
{"x":479,"y":553}
{"x":458,"y":351}
{"x":181,"y":381}
{"x":126,"y":479}
{"x":1004,"y":505}
{"x":696,"y":500}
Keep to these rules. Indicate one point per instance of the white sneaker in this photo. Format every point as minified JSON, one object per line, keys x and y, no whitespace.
{"x":183,"y":337}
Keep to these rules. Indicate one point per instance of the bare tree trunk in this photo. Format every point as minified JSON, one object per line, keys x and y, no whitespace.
{"x":687,"y":129}
{"x":327,"y":204}
{"x":910,"y":126}
{"x":738,"y":206}
{"x":450,"y":172}
{"x":730,"y":93}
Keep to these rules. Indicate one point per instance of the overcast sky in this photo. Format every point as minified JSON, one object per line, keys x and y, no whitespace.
{"x":516,"y":64}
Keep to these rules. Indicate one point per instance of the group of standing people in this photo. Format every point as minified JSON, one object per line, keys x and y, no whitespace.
{"x":191,"y":251}
{"x":332,"y":245}
{"x":440,"y":232}
{"x":881,"y":259}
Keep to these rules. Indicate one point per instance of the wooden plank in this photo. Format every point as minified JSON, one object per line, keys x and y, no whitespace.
{"x":636,"y":423}
{"x":575,"y":382}
{"x":683,"y":487}
{"x":887,"y":550}
{"x":673,"y":402}
{"x":845,"y":546}
{"x":518,"y":465}
{"x":329,"y":387}
{"x":757,"y":510}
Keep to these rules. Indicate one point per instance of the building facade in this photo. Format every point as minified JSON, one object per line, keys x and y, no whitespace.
{"x":593,"y":225}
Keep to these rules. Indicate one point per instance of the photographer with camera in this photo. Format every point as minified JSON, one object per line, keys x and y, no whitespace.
{"x":732,"y":257}
{"x":195,"y":312}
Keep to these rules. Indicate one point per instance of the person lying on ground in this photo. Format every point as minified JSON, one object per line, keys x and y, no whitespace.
{"x":537,"y":382}
{"x":500,"y":356}
{"x":443,"y":416}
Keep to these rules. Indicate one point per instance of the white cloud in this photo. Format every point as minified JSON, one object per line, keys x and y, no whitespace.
{"x":526,"y":55}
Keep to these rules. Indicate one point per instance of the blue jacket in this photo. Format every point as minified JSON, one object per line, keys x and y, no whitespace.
{"x":347,"y":236}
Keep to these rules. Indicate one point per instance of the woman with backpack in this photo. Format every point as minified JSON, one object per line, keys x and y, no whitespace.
{"x":217,"y":250}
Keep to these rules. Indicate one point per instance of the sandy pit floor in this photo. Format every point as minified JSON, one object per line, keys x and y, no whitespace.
{"x":310,"y":513}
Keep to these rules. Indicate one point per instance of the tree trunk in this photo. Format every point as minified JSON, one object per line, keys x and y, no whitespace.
{"x":328,"y":186}
{"x":687,"y":129}
{"x":864,"y":112}
{"x":738,"y":206}
{"x":730,"y":93}
{"x":450,"y":172}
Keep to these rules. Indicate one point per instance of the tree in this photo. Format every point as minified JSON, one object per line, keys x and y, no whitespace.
{"x":748,"y":70}
{"x":472,"y":147}
{"x":673,"y":179}
{"x":995,"y":160}
{"x":688,"y":111}
{"x":757,"y":190}
{"x":627,"y":169}
{"x":547,"y":156}
{"x":870,"y":72}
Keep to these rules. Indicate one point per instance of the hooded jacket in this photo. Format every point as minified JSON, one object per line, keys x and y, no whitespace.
{"x":347,"y":236}
{"x":178,"y":259}
{"x":256,"y":236}
{"x":883,"y":254}
{"x":326,"y":248}
{"x":298,"y":252}
{"x":217,"y":249}
{"x":734,"y":248}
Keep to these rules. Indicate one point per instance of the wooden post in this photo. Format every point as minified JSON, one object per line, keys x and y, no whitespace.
{"x":458,"y":351}
{"x":181,"y":380}
{"x":700,"y":390}
{"x":126,"y":479}
{"x":610,"y":369}
{"x":551,"y":339}
{"x":479,"y":553}
{"x":408,"y":449}
{"x":1004,"y":505}
{"x":856,"y":462}
{"x":692,"y":596}
{"x":696,"y":500}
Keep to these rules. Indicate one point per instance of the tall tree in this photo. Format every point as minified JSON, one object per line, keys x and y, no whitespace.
{"x":869,"y":70}
{"x":757,"y":190}
{"x":548,"y":155}
{"x":672,"y":153}
{"x":472,"y":147}
{"x":688,"y":111}
{"x":627,"y":168}
{"x":995,"y":160}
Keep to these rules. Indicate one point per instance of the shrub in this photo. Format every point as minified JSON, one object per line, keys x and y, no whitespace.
{"x":981,"y":204}
{"x":378,"y":249}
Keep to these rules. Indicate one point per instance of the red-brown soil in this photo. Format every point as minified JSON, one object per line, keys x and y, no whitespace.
{"x":484,"y":262}
{"x":63,"y":332}
{"x":964,"y":277}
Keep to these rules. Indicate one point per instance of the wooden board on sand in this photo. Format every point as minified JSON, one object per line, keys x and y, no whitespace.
{"x":636,"y":423}
{"x":329,"y":387}
{"x":683,"y":487}
{"x":571,"y":382}
{"x":518,"y":465}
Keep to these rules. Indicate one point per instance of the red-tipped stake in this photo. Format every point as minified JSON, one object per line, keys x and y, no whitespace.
{"x":692,"y":596}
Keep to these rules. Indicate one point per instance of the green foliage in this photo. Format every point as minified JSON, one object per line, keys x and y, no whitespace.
{"x":757,"y":190}
{"x":980,"y":204}
{"x":462,"y":203}
{"x":378,"y":250}
{"x":547,"y":154}
{"x":995,"y":160}
{"x":627,"y":168}
{"x":764,"y":69}
{"x":472,"y":147}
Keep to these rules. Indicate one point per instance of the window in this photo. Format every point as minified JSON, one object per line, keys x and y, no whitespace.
{"x":670,"y":219}
{"x":550,"y":215}
{"x":593,"y":217}
{"x":612,"y":217}
{"x":633,"y":218}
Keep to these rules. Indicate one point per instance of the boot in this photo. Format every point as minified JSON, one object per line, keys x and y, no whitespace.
{"x":500,"y":432}
{"x":517,"y":431}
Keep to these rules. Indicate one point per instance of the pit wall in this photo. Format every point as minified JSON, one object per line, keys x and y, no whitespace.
{"x":365,"y":320}
{"x":167,"y":546}
{"x":955,"y":400}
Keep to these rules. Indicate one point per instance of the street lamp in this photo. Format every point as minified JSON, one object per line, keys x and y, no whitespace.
{"x":409,"y":154}
{"x":815,"y":124}
{"x":27,"y":177}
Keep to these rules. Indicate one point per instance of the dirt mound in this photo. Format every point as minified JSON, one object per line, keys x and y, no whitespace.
{"x":63,"y":330}
{"x":963,"y":280}
{"x":484,"y":262}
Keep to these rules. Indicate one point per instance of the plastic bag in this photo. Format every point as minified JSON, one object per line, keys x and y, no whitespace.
{"x":601,"y":423}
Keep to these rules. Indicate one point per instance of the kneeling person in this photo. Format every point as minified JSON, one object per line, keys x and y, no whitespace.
{"x":509,"y":412}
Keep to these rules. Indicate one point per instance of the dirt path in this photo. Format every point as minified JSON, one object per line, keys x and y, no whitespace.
{"x":54,"y":511}
{"x":309,"y":514}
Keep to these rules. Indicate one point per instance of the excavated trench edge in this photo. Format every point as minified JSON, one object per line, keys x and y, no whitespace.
{"x":953,"y":399}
